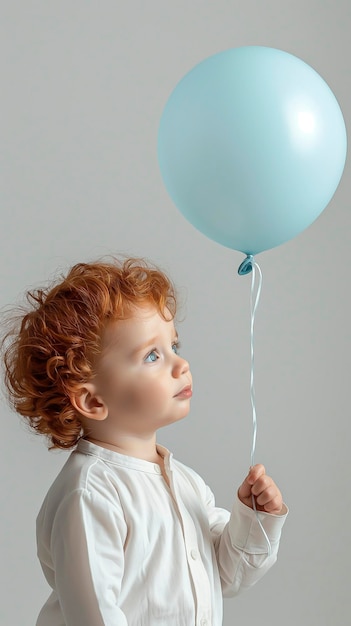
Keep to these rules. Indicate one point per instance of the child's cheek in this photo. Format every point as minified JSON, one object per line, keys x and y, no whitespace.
{"x":133,"y":398}
{"x":127,"y":401}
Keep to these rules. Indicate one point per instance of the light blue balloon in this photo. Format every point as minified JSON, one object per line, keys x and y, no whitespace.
{"x":251,"y":146}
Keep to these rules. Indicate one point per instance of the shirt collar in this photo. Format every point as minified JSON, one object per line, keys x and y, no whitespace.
{"x":122,"y":460}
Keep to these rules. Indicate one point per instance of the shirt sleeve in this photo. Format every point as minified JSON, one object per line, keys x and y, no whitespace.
{"x":87,"y":549}
{"x":241,"y":548}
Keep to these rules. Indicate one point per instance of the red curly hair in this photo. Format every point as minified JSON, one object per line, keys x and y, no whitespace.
{"x":51,"y":349}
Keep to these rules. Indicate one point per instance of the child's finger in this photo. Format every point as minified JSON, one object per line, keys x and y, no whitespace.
{"x":267,"y":495}
{"x":256,"y":471}
{"x":271,"y":502}
{"x":262,"y":483}
{"x":245,"y":489}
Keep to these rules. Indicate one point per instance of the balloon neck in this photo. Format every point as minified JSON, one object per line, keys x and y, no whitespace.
{"x":246,"y":265}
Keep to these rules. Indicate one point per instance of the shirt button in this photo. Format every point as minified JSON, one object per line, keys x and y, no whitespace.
{"x":203,"y":622}
{"x":157,"y":469}
{"x":194,"y":555}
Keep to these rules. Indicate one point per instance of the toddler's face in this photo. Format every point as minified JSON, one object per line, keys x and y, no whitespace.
{"x":141,"y":377}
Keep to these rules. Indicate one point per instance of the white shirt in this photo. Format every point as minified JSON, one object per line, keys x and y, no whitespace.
{"x":120,"y":548}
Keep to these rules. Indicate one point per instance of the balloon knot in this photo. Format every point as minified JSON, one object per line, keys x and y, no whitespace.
{"x":246,"y":265}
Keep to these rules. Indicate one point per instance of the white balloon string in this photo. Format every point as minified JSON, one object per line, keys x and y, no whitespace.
{"x":254,"y":300}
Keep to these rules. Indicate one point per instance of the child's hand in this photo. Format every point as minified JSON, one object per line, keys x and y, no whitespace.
{"x":267,"y":495}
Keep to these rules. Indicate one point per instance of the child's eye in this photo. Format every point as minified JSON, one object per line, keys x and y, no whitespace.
{"x":176,"y":347}
{"x":151,"y":357}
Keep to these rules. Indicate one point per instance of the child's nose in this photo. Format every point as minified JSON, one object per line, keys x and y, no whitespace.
{"x":181,"y":366}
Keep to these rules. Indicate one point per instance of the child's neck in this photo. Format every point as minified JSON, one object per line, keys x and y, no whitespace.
{"x":139,"y":448}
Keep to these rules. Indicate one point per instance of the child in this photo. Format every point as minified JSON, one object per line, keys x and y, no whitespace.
{"x":127,"y":535}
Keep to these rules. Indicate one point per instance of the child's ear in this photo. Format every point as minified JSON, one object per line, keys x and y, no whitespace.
{"x":88,"y":403}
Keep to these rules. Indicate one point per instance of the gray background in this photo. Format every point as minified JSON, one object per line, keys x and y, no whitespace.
{"x":83,"y":85}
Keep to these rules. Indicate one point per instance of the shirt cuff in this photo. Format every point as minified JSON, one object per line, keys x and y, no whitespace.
{"x":246,"y":533}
